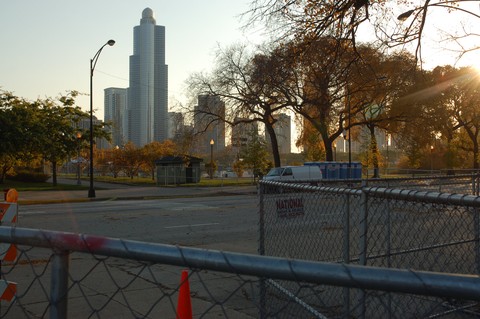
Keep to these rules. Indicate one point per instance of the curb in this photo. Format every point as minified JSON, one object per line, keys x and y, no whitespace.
{"x":102,"y":199}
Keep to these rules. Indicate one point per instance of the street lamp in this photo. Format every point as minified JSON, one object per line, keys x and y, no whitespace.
{"x":93,"y":63}
{"x":349,"y":174}
{"x":387,"y":137}
{"x":211,"y":158}
{"x":78,"y":136}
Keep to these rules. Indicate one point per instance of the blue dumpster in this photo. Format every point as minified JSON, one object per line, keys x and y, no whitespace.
{"x":356,"y":170}
{"x":343,"y":170}
{"x":333,"y":170}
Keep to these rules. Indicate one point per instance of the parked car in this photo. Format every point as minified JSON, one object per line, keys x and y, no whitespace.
{"x":298,"y":173}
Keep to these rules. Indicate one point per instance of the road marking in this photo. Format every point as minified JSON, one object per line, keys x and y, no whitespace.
{"x":194,"y":225}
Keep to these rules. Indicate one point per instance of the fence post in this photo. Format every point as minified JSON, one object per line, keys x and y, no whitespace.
{"x":59,"y":285}
{"x":389,"y":251}
{"x":261,"y":246}
{"x":473,"y":184}
{"x":346,"y":252}
{"x":363,"y":243}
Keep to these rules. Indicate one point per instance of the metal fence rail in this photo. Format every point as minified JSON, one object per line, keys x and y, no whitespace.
{"x":65,"y":275}
{"x":370,"y":226}
{"x":460,"y":183}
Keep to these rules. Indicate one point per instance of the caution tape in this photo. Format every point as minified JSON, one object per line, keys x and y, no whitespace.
{"x":8,"y":252}
{"x":8,"y":290}
{"x":8,"y":213}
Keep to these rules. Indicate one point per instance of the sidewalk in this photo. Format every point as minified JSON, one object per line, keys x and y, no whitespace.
{"x":108,"y":191}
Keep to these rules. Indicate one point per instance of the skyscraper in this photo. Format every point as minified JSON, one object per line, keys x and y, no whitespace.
{"x":147,"y":95}
{"x":207,"y":126}
{"x":115,"y":110}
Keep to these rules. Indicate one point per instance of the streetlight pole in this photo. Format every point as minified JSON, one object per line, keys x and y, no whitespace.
{"x":211,"y":158}
{"x":93,"y":63}
{"x":79,"y":136}
{"x":387,"y":137}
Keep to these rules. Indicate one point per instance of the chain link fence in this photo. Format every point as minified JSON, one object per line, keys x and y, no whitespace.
{"x":65,"y":275}
{"x":337,"y":251}
{"x":372,"y":226}
{"x":457,"y":184}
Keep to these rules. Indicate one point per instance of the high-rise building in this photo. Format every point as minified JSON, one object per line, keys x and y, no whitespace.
{"x":208,"y":125}
{"x":115,"y":111}
{"x":176,"y":124}
{"x":243,"y":133}
{"x":147,"y":95}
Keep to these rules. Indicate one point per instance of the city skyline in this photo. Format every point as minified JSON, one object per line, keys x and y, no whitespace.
{"x":51,"y":42}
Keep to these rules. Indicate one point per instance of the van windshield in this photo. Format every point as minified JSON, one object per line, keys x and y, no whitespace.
{"x":275,"y":172}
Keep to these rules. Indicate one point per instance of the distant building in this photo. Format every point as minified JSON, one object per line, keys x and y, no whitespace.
{"x":84,"y":125}
{"x":176,"y":123}
{"x":147,"y":97}
{"x":115,"y":113}
{"x":207,"y":127}
{"x":282,"y":130}
{"x":243,"y":133}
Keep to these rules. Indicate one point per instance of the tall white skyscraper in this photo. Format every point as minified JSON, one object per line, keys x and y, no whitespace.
{"x":147,"y":95}
{"x":115,"y":110}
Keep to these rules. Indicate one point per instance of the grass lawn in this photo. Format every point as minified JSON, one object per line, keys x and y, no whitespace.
{"x":25,"y":186}
{"x":147,"y":181}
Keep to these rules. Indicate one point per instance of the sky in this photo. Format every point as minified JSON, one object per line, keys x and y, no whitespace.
{"x":47,"y":45}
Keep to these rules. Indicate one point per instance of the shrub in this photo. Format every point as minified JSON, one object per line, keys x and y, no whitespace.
{"x":29,"y":177}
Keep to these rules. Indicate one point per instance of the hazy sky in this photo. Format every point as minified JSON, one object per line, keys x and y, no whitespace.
{"x":47,"y":45}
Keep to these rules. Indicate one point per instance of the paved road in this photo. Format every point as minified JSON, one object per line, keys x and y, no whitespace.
{"x":214,"y":218}
{"x":215,"y":222}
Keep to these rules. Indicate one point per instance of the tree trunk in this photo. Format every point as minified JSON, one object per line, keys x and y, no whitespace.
{"x":475,"y":155}
{"x":328,"y":150}
{"x":54,"y":173}
{"x":274,"y":142}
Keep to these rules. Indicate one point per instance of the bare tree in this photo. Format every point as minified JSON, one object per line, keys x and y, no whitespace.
{"x":394,"y":22}
{"x":246,"y":82}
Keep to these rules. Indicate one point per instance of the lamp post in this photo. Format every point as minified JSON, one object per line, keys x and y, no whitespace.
{"x":349,"y":174}
{"x":78,"y":136}
{"x":212,"y":142}
{"x":93,"y":63}
{"x":387,"y":137}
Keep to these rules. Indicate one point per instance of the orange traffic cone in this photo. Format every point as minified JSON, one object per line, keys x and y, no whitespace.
{"x":184,"y":303}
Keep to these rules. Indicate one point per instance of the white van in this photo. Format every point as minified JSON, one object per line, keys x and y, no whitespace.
{"x":291,"y":173}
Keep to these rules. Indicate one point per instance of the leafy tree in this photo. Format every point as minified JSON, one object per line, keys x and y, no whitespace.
{"x":61,"y":123}
{"x":238,"y":167}
{"x":461,"y":101}
{"x":154,"y":151}
{"x":255,"y":156}
{"x":132,"y":158}
{"x":112,"y":160}
{"x":14,"y":116}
